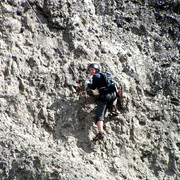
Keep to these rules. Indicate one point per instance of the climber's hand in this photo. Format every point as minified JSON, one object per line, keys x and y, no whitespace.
{"x":86,"y":83}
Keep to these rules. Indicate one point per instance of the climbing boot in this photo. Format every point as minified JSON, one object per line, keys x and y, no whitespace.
{"x":114,"y":111}
{"x":99,"y":136}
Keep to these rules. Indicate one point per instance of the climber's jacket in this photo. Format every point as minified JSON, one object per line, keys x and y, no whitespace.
{"x":104,"y":93}
{"x":97,"y":82}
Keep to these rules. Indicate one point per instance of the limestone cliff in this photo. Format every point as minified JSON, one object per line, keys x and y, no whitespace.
{"x":46,"y":126}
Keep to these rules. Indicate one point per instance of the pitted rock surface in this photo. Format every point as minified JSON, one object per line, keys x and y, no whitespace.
{"x":47,"y":123}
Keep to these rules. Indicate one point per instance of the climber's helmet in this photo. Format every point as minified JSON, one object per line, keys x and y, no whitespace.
{"x":95,"y":66}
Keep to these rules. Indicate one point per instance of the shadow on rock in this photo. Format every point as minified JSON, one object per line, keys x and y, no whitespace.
{"x":73,"y":119}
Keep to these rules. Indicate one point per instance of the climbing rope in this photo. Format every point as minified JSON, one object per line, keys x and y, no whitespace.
{"x":80,"y":89}
{"x":38,"y":18}
{"x":48,"y":32}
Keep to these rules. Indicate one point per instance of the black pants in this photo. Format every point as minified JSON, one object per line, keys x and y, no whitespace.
{"x":100,"y":110}
{"x":105,"y":99}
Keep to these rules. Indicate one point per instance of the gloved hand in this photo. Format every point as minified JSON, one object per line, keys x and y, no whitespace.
{"x":86,"y":82}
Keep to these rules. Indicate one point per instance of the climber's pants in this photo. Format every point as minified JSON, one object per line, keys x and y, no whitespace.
{"x":100,"y":110}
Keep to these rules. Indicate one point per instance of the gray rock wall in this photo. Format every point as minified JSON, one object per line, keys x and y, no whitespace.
{"x":46,"y":126}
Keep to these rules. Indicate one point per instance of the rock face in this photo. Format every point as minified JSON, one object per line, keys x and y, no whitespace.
{"x":46,"y":126}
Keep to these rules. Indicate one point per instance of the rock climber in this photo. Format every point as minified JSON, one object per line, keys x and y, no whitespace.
{"x":105,"y":99}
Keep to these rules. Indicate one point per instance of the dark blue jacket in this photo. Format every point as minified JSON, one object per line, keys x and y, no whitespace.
{"x":97,"y":82}
{"x":105,"y":95}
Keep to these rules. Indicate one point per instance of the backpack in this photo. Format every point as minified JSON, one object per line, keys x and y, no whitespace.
{"x":114,"y":85}
{"x":111,"y":82}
